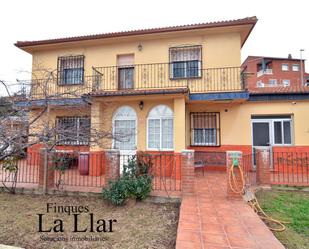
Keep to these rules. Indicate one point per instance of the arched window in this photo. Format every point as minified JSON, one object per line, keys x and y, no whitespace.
{"x":160,"y":128}
{"x":124,"y":128}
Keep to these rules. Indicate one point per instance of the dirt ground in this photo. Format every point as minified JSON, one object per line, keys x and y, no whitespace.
{"x":144,"y":225}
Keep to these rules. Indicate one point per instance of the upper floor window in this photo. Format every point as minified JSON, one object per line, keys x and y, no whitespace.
{"x":285,"y":67}
{"x":286,"y":82}
{"x":125,"y":64}
{"x":295,"y":67}
{"x":73,"y":130}
{"x":272,"y":82}
{"x":71,"y":70}
{"x":205,"y":128}
{"x":186,"y":62}
{"x":260,"y":84}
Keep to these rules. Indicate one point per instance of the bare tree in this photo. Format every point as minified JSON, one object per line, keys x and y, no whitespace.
{"x":31,"y":111}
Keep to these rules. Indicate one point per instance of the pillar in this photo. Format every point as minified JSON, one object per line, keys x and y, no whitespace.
{"x":179,"y":124}
{"x":112,"y":167}
{"x":187,"y":171}
{"x":234,"y":157}
{"x":263,"y":165}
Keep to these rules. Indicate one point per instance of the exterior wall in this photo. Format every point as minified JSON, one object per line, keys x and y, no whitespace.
{"x":218,"y":50}
{"x":235,"y":121}
{"x":51,"y":118}
{"x":104,"y":120}
{"x":236,"y":130}
{"x":277,"y":73}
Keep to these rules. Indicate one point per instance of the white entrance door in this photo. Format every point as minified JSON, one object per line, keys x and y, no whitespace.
{"x":124,"y":134}
{"x":261,"y":130}
{"x":271,"y":131}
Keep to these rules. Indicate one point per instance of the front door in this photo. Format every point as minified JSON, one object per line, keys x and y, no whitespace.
{"x":261,"y":131}
{"x":124,"y":133}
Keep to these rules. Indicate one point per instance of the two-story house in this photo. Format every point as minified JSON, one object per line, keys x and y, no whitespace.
{"x":163,"y":89}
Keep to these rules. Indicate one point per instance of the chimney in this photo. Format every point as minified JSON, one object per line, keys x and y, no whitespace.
{"x":289,"y":56}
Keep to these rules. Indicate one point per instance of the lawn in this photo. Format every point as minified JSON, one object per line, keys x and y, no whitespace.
{"x":291,"y":206}
{"x":144,"y":225}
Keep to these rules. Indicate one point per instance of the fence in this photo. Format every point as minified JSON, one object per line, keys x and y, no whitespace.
{"x":280,"y":168}
{"x":210,"y":160}
{"x":72,"y":171}
{"x":87,"y":171}
{"x":249,"y":169}
{"x":165,"y":169}
{"x":23,"y":171}
{"x":290,"y":168}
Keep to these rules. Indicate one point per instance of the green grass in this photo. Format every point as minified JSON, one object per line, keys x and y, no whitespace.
{"x":291,"y":206}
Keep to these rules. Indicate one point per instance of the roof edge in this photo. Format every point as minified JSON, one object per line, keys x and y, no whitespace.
{"x":244,"y":21}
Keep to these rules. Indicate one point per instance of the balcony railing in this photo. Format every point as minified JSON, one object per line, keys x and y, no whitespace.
{"x":265,"y":71}
{"x":142,"y":77}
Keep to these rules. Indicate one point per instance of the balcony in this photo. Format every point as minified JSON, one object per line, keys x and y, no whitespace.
{"x":159,"y":76}
{"x":265,"y":71}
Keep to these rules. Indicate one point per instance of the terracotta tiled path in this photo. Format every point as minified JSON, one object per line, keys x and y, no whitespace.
{"x":209,"y":220}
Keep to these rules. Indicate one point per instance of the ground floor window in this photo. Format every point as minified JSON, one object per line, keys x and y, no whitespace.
{"x":124,"y":129}
{"x":73,"y":130}
{"x":205,"y":129}
{"x":160,"y":128}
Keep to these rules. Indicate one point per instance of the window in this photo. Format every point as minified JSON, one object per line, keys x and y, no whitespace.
{"x":285,"y":67}
{"x":125,"y":65}
{"x":282,"y":132}
{"x":295,"y":67}
{"x":160,"y":130}
{"x":272,"y":82}
{"x":205,"y":128}
{"x":124,"y":129}
{"x":286,"y":82}
{"x":185,"y":62}
{"x":71,"y":70}
{"x":260,"y":84}
{"x":73,"y":130}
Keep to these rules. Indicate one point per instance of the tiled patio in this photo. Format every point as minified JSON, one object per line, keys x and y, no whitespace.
{"x":209,"y":220}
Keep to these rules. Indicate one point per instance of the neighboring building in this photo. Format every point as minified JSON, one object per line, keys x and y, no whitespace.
{"x":167,"y":89}
{"x":274,"y":72}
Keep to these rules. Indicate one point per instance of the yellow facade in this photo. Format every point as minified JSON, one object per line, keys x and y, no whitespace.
{"x":220,"y":49}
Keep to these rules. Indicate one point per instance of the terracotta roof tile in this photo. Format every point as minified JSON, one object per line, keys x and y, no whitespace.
{"x":138,"y":92}
{"x":243,"y":21}
{"x":280,"y":90}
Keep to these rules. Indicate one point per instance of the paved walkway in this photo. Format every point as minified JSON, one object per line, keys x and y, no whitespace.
{"x":208,"y":220}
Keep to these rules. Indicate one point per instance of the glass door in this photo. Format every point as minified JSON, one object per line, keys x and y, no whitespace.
{"x":261,"y":131}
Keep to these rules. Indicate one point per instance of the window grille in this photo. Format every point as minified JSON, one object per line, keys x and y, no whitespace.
{"x":70,"y":70}
{"x":186,"y":62}
{"x":205,"y":129}
{"x":73,"y":130}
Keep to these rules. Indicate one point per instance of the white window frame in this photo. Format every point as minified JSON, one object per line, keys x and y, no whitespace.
{"x":124,"y":119}
{"x":286,"y":80}
{"x":76,"y":120}
{"x":205,"y":144}
{"x":293,"y":67}
{"x":274,"y":80}
{"x":271,"y":130}
{"x":171,"y":62}
{"x":282,"y":67}
{"x":260,"y":84}
{"x":159,"y":118}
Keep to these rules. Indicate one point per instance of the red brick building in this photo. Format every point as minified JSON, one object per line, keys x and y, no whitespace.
{"x":274,"y":72}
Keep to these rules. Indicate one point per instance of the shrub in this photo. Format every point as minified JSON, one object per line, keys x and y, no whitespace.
{"x":135,"y":182}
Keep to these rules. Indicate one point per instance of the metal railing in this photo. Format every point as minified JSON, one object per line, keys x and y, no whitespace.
{"x":290,"y":168}
{"x":137,"y":77}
